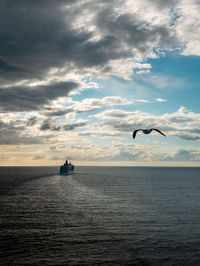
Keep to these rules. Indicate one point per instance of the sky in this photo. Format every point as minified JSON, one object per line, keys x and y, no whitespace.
{"x":78,"y":77}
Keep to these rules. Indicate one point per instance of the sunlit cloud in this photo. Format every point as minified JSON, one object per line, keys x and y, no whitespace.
{"x":55,"y":59}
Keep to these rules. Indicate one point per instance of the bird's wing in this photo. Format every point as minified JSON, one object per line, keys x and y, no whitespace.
{"x":135,"y":132}
{"x":158,"y":131}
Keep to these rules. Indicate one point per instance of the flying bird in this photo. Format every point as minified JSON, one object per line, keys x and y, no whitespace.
{"x":147,"y":131}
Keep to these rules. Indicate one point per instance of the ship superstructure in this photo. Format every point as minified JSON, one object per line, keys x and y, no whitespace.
{"x":67,"y":168}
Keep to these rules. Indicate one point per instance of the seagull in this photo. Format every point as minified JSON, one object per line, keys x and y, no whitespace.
{"x":147,"y":131}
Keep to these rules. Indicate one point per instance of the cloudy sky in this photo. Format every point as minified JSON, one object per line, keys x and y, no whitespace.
{"x":77,"y":77}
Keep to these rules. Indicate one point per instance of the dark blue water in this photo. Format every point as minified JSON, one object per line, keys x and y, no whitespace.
{"x":100,"y":216}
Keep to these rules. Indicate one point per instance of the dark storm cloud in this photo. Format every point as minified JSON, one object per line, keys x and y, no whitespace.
{"x":74,"y":125}
{"x":31,"y":121}
{"x":49,"y":124}
{"x":164,"y":3}
{"x":130,"y":30}
{"x":11,"y":134}
{"x":38,"y":35}
{"x":22,"y":98}
{"x":58,"y":112}
{"x":35,"y":35}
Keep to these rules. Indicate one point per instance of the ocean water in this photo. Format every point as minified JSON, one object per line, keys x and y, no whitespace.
{"x":100,"y":216}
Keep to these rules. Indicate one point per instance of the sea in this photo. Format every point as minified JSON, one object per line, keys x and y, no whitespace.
{"x":100,"y":216}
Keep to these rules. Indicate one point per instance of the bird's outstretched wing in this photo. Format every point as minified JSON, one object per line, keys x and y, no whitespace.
{"x":158,"y":131}
{"x":135,"y":132}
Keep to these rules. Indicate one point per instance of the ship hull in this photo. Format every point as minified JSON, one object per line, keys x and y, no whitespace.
{"x":66,"y":173}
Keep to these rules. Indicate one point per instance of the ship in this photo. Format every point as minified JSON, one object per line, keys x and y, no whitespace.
{"x":67,"y":168}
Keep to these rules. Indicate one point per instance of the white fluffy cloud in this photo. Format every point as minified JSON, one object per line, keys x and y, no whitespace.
{"x":183,"y":123}
{"x":87,"y":105}
{"x":188,"y":26}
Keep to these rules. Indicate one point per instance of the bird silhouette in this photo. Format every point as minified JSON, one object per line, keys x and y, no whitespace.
{"x":147,"y":131}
